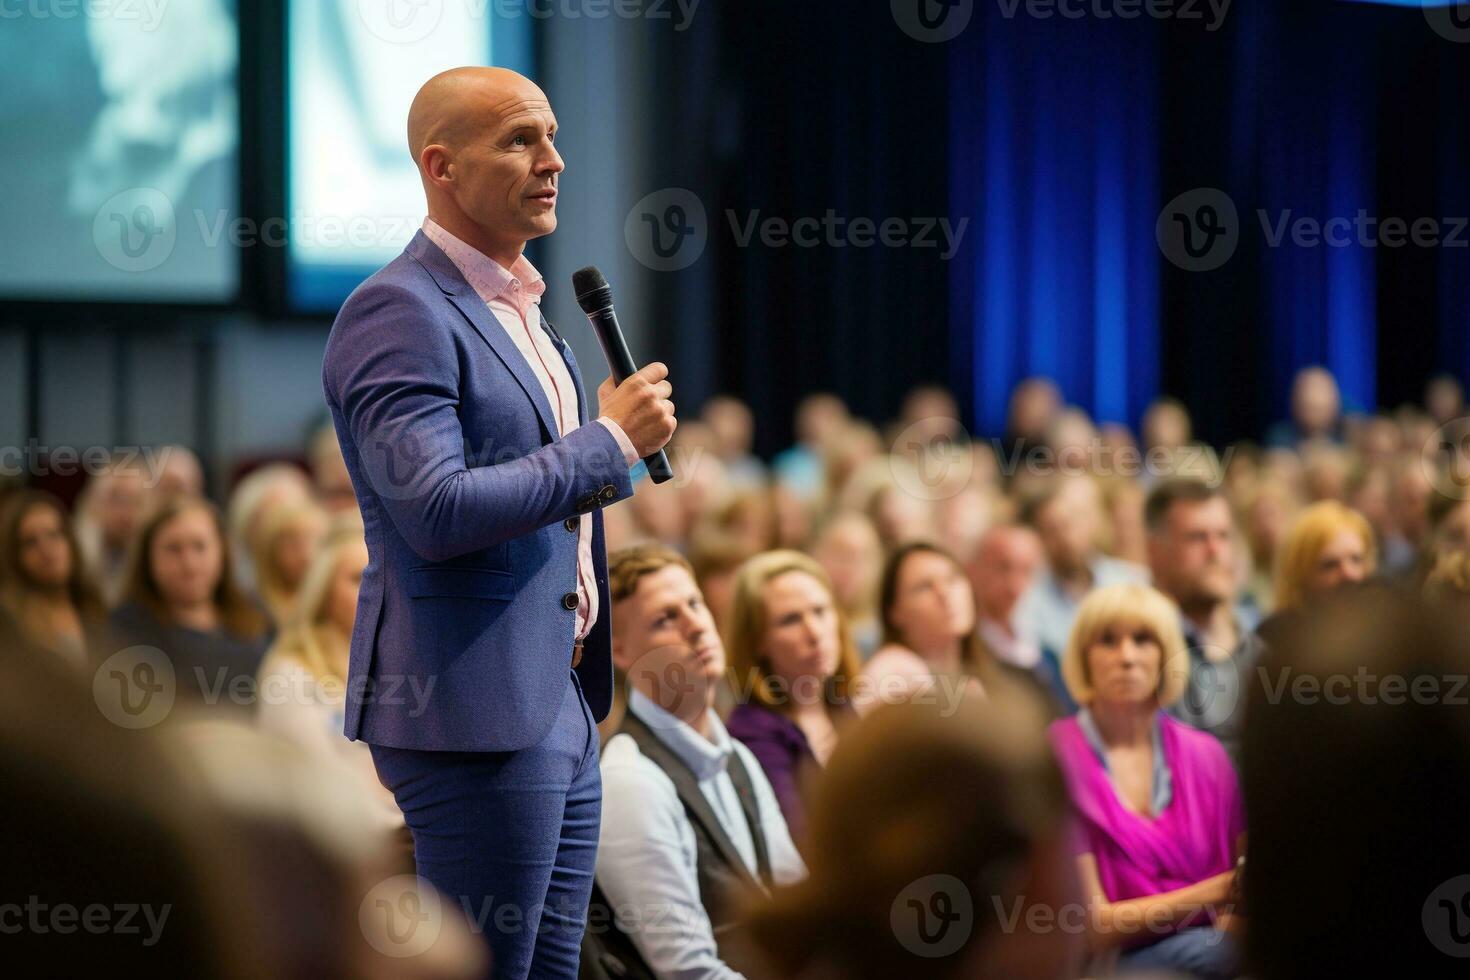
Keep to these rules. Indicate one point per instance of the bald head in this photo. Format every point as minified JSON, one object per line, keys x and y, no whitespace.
{"x":454,"y":104}
{"x":482,"y":139}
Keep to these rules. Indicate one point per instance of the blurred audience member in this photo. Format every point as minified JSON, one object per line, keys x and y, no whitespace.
{"x":887,"y":852}
{"x":1356,"y":774}
{"x":109,"y":513}
{"x":1159,"y":814}
{"x":181,"y":474}
{"x":962,"y":518}
{"x":1444,"y":398}
{"x":792,"y":664}
{"x":849,"y":550}
{"x":288,"y":536}
{"x":182,"y":599}
{"x":820,"y":418}
{"x":1269,"y":512}
{"x":1035,"y":405}
{"x":689,"y":820}
{"x":1192,"y":557}
{"x":258,"y":493}
{"x":1166,"y":427}
{"x":930,"y":649}
{"x":1066,"y":514}
{"x":1316,"y":411}
{"x":733,"y":427}
{"x":303,"y":679}
{"x":1126,"y":535}
{"x":1004,"y":568}
{"x":329,"y":471}
{"x":715,"y":555}
{"x":1328,"y":546}
{"x":43,"y":586}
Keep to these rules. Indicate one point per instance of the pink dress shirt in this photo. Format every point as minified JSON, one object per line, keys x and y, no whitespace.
{"x":514,"y":297}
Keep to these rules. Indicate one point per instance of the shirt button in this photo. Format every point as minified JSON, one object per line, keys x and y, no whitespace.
{"x":572,"y":524}
{"x":569,"y":601}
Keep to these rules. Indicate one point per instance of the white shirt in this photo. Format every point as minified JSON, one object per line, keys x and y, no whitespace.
{"x":514,"y":296}
{"x":647,"y":860}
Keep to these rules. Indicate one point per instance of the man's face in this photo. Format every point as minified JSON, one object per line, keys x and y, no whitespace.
{"x":507,"y":167}
{"x":1067,"y":525}
{"x":1004,"y":570}
{"x":665,"y":640}
{"x":1193,"y":554}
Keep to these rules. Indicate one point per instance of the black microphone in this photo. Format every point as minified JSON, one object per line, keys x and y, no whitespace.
{"x":594,"y":296}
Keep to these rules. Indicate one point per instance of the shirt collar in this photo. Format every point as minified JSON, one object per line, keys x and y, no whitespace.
{"x":707,"y":757}
{"x":520,"y":285}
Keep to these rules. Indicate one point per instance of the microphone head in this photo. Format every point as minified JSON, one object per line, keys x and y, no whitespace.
{"x":593,"y":292}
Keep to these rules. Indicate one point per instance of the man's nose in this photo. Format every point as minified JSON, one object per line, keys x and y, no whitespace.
{"x":552,"y":162}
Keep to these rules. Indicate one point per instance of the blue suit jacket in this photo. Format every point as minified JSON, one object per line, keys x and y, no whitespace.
{"x":470,"y":501}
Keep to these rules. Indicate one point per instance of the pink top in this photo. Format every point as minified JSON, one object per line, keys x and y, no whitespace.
{"x":1191,"y":840}
{"x":514,"y":296}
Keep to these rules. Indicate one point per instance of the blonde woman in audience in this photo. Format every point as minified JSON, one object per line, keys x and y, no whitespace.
{"x":1328,"y":545}
{"x":1158,"y":810}
{"x":43,"y":587}
{"x":289,"y":536}
{"x":792,"y":663}
{"x":931,"y":650}
{"x":304,"y":675}
{"x":255,"y":495}
{"x":849,"y":551}
{"x":329,"y":472}
{"x":1267,"y":517}
{"x":182,"y":599}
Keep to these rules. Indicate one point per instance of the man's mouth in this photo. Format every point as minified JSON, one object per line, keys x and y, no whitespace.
{"x":547,"y":196}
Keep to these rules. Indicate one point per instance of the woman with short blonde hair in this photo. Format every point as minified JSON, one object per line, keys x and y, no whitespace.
{"x":1158,"y":811}
{"x":1328,"y":545}
{"x":792,"y":663}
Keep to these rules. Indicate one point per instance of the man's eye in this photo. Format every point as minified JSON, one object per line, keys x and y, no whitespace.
{"x":518,"y":141}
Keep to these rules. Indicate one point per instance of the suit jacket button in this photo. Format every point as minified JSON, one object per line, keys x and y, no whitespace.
{"x":609,"y":492}
{"x":571,"y":524}
{"x":569,"y":601}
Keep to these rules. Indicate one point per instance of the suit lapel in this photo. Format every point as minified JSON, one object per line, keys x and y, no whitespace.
{"x":468,"y":302}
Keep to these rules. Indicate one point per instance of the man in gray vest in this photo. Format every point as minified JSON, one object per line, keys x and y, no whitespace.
{"x":689,"y":820}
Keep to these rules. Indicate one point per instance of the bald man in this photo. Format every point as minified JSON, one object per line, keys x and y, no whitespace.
{"x":481,"y":659}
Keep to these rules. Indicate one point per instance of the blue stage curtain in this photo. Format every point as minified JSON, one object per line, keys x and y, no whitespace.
{"x":1054,"y":144}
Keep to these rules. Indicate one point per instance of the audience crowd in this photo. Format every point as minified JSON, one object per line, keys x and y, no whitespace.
{"x":898,"y":701}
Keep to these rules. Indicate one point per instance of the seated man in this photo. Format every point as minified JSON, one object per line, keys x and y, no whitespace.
{"x":688,"y":817}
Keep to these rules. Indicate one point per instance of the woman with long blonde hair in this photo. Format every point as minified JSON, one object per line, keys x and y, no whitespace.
{"x":303,"y":679}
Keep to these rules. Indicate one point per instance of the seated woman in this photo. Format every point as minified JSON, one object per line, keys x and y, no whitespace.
{"x":1328,"y":545}
{"x":289,"y":537}
{"x":930,"y":645}
{"x":182,"y":599}
{"x":44,"y":586}
{"x":792,"y":660}
{"x":1159,"y":814}
{"x":303,"y":679}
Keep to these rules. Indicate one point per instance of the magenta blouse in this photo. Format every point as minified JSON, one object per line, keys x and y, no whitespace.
{"x":1190,"y":840}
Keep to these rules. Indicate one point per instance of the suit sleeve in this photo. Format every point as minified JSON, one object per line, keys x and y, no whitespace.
{"x":396,"y":383}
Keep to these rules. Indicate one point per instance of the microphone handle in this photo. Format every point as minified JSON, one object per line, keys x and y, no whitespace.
{"x":620,"y":363}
